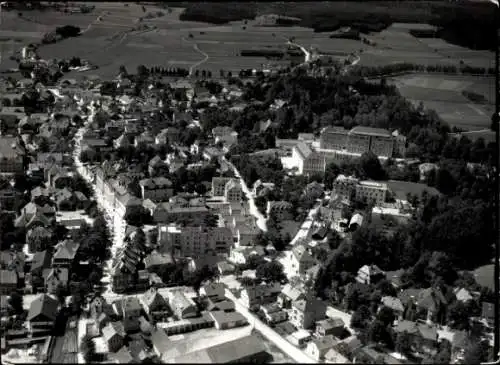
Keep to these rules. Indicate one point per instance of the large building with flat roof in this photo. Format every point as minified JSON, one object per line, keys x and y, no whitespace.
{"x":361,"y":139}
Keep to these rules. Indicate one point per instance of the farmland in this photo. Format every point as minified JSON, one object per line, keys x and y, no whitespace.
{"x":444,"y":95}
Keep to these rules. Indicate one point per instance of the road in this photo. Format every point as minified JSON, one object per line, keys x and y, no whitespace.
{"x":306,"y":226}
{"x":285,"y":346}
{"x":115,"y":223}
{"x":261,"y":220}
{"x":65,"y":347}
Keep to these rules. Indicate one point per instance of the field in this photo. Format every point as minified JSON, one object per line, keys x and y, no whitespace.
{"x":444,"y":95}
{"x":109,"y":40}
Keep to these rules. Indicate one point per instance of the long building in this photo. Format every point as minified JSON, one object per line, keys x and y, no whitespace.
{"x":348,"y":187}
{"x":195,"y":241}
{"x":363,"y":139}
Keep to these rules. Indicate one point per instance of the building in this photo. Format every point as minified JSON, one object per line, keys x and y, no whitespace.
{"x":55,"y":277}
{"x":155,"y":305}
{"x":225,"y":135}
{"x":227,"y":320}
{"x":42,"y":315}
{"x":233,"y":191}
{"x":156,"y":189}
{"x":297,"y":261}
{"x":254,"y":296}
{"x":195,"y":241}
{"x":306,"y":312}
{"x":173,"y":212}
{"x":290,"y":294}
{"x":363,"y":139}
{"x":213,"y":291}
{"x":318,"y":348}
{"x":371,"y":191}
{"x":308,"y":162}
{"x":219,"y":185}
{"x":65,"y":253}
{"x":369,"y":274}
{"x":8,"y":282}
{"x":114,"y":335}
{"x":331,"y":326}
{"x":182,"y":306}
{"x":12,"y":155}
{"x":247,"y":349}
{"x":161,"y":342}
{"x":423,"y":336}
{"x":282,"y":210}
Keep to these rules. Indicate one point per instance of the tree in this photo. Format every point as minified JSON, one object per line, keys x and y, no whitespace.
{"x":270,"y":272}
{"x":61,"y":293}
{"x":403,"y":343}
{"x":386,"y":315}
{"x":16,"y":302}
{"x":371,"y":167}
{"x":378,"y":333}
{"x":360,"y":317}
{"x":458,"y":316}
{"x":477,"y":352}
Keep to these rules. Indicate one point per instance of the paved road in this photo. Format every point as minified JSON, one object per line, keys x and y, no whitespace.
{"x":285,"y":346}
{"x":65,"y":347}
{"x":261,"y":220}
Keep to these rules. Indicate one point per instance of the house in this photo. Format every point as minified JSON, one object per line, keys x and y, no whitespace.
{"x":394,"y":277}
{"x":219,"y":185}
{"x":331,"y":326}
{"x":224,"y":305}
{"x":214,"y":291}
{"x":182,"y":306}
{"x":424,"y":337}
{"x":282,"y":210}
{"x":318,"y":348}
{"x":233,"y":191}
{"x":55,"y":277}
{"x":247,"y":349}
{"x":299,"y":338}
{"x":8,"y":282}
{"x":369,"y":274}
{"x":290,"y":294}
{"x":42,"y":314}
{"x":38,"y":239}
{"x":261,"y":188}
{"x":305,"y":312}
{"x":254,"y":296}
{"x":156,"y":189}
{"x":298,"y":261}
{"x":13,"y":261}
{"x":98,"y":305}
{"x":372,"y":355}
{"x":65,"y":253}
{"x":462,"y":294}
{"x":225,"y":135}
{"x":160,"y":341}
{"x":9,"y":197}
{"x":488,"y":313}
{"x":334,"y":357}
{"x":41,"y":260}
{"x":157,"y":261}
{"x":395,"y":304}
{"x":225,"y":268}
{"x":155,"y":305}
{"x":273,"y":313}
{"x":227,"y":320}
{"x":114,"y":335}
{"x":431,"y":302}
{"x":156,"y":164}
{"x":122,"y":356}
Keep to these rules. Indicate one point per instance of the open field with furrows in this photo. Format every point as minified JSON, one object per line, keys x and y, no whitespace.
{"x":395,"y":44}
{"x":443,"y":93}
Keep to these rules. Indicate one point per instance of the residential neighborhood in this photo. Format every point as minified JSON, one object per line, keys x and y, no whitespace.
{"x":144,"y":219}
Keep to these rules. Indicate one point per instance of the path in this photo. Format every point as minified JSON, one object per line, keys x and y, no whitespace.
{"x":195,"y":46}
{"x":285,"y":346}
{"x":96,"y":20}
{"x":261,"y":220}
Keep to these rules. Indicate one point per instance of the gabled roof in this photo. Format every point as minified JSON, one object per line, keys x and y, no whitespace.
{"x":66,"y":250}
{"x":325,"y":342}
{"x":292,"y":293}
{"x":41,"y":260}
{"x":153,"y":297}
{"x":214,"y":289}
{"x":393,"y":303}
{"x":8,"y":277}
{"x":112,"y":329}
{"x":43,"y":305}
{"x":161,"y":341}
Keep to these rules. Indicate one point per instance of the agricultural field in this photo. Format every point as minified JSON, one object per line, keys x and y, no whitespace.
{"x":444,"y":95}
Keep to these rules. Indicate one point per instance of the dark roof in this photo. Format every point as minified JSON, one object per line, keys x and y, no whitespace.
{"x":43,"y":305}
{"x":41,"y":260}
{"x":370,"y":131}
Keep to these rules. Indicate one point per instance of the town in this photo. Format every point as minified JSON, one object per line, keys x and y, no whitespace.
{"x":170,"y":219}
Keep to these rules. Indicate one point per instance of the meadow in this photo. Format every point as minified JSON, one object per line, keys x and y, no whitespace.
{"x":444,"y":95}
